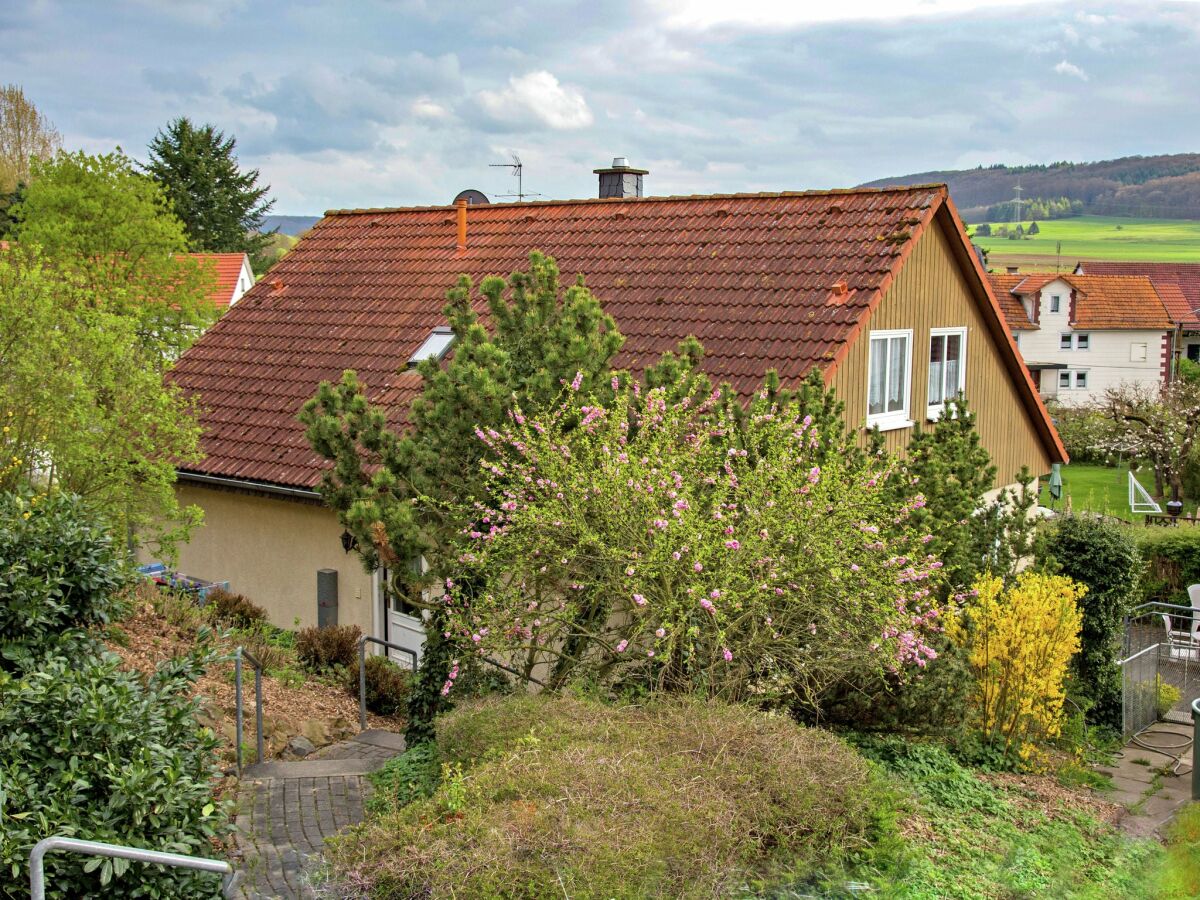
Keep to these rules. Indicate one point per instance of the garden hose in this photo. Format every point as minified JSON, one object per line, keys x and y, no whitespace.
{"x":1168,"y":750}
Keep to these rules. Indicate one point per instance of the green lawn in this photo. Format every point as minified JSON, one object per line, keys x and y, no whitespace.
{"x":1098,"y":237}
{"x":1104,"y":490}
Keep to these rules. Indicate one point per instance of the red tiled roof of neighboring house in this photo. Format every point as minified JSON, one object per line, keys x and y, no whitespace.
{"x":1011,"y":305}
{"x":752,"y":276}
{"x":1177,"y":305}
{"x":1100,"y":301}
{"x":228,"y":268}
{"x":1185,"y":275}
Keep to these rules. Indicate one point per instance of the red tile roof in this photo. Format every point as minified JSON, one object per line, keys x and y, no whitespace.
{"x":1101,"y":301}
{"x":1185,"y":275}
{"x":752,"y":276}
{"x":1011,"y":305}
{"x":228,"y":268}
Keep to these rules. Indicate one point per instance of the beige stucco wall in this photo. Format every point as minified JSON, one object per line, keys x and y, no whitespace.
{"x":270,"y":550}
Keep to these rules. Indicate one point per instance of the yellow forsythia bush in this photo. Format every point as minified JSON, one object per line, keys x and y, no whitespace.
{"x":1019,"y":643}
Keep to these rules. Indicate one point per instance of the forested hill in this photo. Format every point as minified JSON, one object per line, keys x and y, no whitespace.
{"x":1166,"y":187}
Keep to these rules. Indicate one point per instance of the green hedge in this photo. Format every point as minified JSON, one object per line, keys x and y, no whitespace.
{"x":1173,"y":557}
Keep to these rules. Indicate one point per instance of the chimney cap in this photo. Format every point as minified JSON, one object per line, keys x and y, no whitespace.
{"x":620,"y":164}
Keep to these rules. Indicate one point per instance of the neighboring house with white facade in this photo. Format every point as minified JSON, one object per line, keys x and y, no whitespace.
{"x":1083,"y":334}
{"x":1178,"y":284}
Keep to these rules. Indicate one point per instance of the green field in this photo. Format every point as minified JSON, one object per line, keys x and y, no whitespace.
{"x":1097,"y":237}
{"x":1104,"y":490}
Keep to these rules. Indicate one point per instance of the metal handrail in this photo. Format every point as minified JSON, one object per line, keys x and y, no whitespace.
{"x":37,"y":874}
{"x":238,"y":655}
{"x":362,"y":671}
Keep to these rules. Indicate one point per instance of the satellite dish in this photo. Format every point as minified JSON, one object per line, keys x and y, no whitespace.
{"x":472,"y":196}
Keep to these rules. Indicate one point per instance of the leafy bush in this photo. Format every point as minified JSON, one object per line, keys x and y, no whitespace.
{"x":1165,"y":697}
{"x":1104,"y":557}
{"x":636,"y":545}
{"x":388,"y":685}
{"x":1020,"y":642}
{"x":90,"y":750}
{"x":59,"y":573}
{"x":1173,"y":555}
{"x":1085,"y":431}
{"x":413,"y":775}
{"x":323,"y":649}
{"x":549,"y":797}
{"x":234,"y":609}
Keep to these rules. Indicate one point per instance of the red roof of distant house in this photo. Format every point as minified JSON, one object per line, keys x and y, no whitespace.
{"x":1186,"y":276}
{"x":1010,"y":304}
{"x":228,"y":268}
{"x":756,"y":277}
{"x":1100,"y":301}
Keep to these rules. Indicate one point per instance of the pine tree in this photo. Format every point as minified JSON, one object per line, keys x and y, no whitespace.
{"x":221,"y":207}
{"x":392,"y":490}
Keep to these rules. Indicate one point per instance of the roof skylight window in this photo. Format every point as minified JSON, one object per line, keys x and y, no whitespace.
{"x":434,"y":347}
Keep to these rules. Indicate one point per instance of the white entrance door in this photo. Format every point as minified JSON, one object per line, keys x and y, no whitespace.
{"x":403,"y":624}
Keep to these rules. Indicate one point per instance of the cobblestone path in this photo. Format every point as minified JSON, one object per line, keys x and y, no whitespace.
{"x":286,"y":810}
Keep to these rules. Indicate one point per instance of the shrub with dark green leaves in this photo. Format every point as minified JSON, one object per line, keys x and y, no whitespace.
{"x":87,"y":748}
{"x":331,"y":647}
{"x":234,"y":609}
{"x":60,"y":573}
{"x":1104,"y":557}
{"x":90,"y":750}
{"x":388,"y":685}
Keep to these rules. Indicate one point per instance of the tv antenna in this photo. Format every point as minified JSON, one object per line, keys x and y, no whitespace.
{"x":517,"y":168}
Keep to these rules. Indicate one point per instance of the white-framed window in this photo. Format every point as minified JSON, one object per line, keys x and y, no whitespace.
{"x":889,"y":378}
{"x":1064,"y":378}
{"x":947,"y":368}
{"x":1055,"y":303}
{"x":1074,"y":341}
{"x":1082,"y":341}
{"x":1081,"y":380}
{"x":1137,"y":352}
{"x":1064,"y":341}
{"x":434,"y":347}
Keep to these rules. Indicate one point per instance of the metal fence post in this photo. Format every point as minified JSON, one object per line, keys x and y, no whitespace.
{"x":1195,"y":748}
{"x":237,"y":685}
{"x":258,"y":705}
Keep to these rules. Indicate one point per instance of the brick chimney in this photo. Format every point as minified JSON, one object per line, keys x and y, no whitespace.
{"x":620,"y":179}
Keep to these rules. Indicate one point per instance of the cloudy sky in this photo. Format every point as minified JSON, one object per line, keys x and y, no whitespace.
{"x":400,"y":102}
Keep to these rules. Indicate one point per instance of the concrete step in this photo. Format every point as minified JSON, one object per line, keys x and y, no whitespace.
{"x":360,"y":755}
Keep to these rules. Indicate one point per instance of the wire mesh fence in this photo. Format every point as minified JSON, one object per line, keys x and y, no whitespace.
{"x":1160,"y":666}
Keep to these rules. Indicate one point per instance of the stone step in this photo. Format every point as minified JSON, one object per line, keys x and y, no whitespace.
{"x":360,"y":755}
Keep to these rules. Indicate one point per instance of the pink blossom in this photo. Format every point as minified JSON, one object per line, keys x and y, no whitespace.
{"x":649,"y":652}
{"x":814,"y":474}
{"x":853,"y":567}
{"x":715,"y":594}
{"x":621,"y":646}
{"x":732,"y":545}
{"x":661,"y":632}
{"x":578,"y":380}
{"x":639,"y":599}
{"x":697,"y":567}
{"x":727,"y":653}
{"x":707,"y":605}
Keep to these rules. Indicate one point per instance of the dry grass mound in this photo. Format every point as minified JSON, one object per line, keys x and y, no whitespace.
{"x":544,"y":797}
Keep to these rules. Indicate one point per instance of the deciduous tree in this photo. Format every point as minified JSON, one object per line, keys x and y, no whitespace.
{"x":1160,"y":425}
{"x":25,"y":135}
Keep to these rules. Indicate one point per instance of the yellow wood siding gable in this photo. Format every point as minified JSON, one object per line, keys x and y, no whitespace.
{"x":931,"y":291}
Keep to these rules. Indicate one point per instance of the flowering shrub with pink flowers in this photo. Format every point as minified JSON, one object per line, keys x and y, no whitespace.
{"x":640,"y":544}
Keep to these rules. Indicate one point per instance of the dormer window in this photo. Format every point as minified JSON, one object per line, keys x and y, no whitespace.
{"x":1055,"y":303}
{"x":435,"y":346}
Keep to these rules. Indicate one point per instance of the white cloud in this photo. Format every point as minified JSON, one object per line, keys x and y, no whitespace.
{"x":702,"y":14}
{"x":537,"y":96}
{"x":424,"y":108}
{"x":1067,"y":68}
